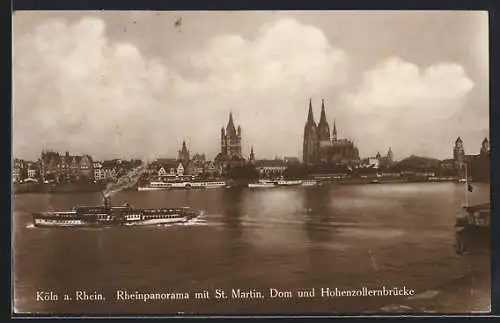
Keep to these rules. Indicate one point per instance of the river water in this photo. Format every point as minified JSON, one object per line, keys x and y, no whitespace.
{"x":289,"y":239}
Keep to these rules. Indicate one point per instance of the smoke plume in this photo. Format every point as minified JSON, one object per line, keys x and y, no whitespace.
{"x":125,"y":181}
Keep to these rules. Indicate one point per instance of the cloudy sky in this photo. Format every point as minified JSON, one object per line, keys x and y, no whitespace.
{"x":133,"y":84}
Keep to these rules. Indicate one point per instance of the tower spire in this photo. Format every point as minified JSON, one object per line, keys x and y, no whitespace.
{"x":323,"y":113}
{"x":252,"y":155}
{"x":310,"y":117}
{"x":334,"y":132}
{"x":230,"y":129}
{"x":323,"y":127}
{"x":230,"y":123}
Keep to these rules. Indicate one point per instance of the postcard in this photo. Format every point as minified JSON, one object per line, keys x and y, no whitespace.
{"x":250,"y":162}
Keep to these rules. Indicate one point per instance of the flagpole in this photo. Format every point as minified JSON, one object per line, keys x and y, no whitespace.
{"x":466,"y":183}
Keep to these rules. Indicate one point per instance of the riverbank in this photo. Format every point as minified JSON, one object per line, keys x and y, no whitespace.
{"x":57,"y":188}
{"x":99,"y":187}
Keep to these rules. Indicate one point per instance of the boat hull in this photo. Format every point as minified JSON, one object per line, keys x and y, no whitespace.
{"x":473,"y":229}
{"x":261,"y":185}
{"x":145,"y":188}
{"x":289,"y":183}
{"x":185,"y":185}
{"x":83,"y":221}
{"x":310,"y":183}
{"x":473,"y":239}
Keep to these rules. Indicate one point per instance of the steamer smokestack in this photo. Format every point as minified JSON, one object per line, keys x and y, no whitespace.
{"x":106,"y":201}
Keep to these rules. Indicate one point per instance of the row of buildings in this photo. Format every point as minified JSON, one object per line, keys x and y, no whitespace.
{"x":322,"y":149}
{"x":55,"y":167}
{"x":230,"y":156}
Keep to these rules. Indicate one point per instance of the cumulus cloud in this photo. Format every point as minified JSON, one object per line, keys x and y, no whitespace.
{"x":266,"y":82}
{"x":412,"y":109}
{"x":75,"y":89}
{"x":397,"y":83}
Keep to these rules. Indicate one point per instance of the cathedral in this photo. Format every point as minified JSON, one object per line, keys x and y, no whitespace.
{"x":321,"y":147}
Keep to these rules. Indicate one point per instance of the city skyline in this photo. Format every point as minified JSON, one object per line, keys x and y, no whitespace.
{"x":106,"y":84}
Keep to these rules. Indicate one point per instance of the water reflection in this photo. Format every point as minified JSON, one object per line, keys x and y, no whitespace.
{"x":232,"y":247}
{"x":318,"y":214}
{"x":273,"y":218}
{"x":232,"y":203}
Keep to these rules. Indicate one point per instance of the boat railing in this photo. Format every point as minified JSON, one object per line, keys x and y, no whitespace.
{"x":164,"y":211}
{"x":56,"y":213}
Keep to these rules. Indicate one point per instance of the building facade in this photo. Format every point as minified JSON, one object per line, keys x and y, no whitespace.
{"x":18,"y":168}
{"x":54,"y":166}
{"x":320,"y":147}
{"x":270,"y":168}
{"x":197,"y":164}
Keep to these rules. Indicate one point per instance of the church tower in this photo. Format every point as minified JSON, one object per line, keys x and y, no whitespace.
{"x":334,"y":132}
{"x":323,"y":135}
{"x":485,"y":147}
{"x":252,"y":156}
{"x":458,"y":153}
{"x":231,"y":140}
{"x":310,"y":144}
{"x":323,"y":127}
{"x":390,"y":156}
{"x":184,"y":154}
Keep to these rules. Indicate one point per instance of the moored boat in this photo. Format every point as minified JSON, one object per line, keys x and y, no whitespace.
{"x":207,"y":185}
{"x":289,"y":182}
{"x":154,"y":186}
{"x":108,"y":215}
{"x":473,"y":230}
{"x":311,"y":182}
{"x":262,"y":184}
{"x":473,"y":226}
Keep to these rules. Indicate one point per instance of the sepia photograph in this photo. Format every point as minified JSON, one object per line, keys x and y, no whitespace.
{"x":229,"y":163}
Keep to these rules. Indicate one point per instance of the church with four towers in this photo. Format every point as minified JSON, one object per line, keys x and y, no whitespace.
{"x":230,"y":146}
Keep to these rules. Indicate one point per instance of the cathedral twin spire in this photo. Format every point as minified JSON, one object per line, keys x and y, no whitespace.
{"x":323,"y":128}
{"x":323,"y":113}
{"x":310,"y":117}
